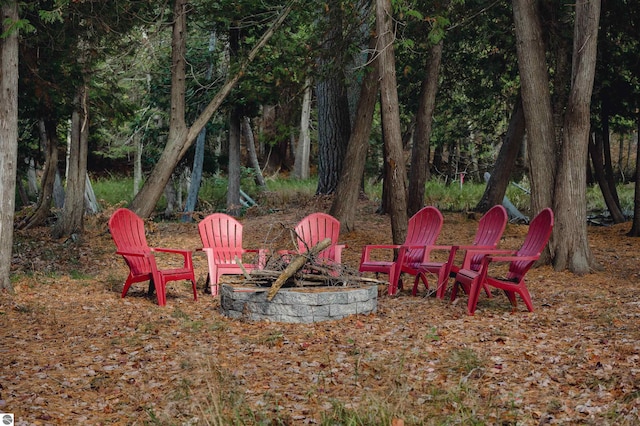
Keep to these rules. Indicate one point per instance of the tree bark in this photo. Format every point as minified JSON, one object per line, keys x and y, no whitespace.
{"x":42,"y":211}
{"x":334,"y":127}
{"x":571,"y":245}
{"x":251,"y":150}
{"x":606,"y":150}
{"x":71,"y":220}
{"x":536,"y":103}
{"x":420,"y":152}
{"x":301,"y":164}
{"x":8,"y":136}
{"x":395,"y":177}
{"x":596,"y":152}
{"x":233,"y":173}
{"x":505,"y":163}
{"x":635,"y":226}
{"x":345,"y":200}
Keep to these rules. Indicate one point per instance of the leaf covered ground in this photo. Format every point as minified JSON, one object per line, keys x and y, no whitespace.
{"x":74,"y":352}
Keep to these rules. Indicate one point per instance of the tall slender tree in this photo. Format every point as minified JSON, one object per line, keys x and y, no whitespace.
{"x":8,"y":133}
{"x":570,"y":244}
{"x":395,"y":178}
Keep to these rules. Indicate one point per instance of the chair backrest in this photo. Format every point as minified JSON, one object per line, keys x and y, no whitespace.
{"x":423,"y":230}
{"x":490,"y":229}
{"x":223,"y":233}
{"x":537,"y":237}
{"x":315,"y":228}
{"x":128,"y":234}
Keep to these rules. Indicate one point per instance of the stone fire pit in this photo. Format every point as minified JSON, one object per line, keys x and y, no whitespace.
{"x":306,"y":290}
{"x":298,"y":304}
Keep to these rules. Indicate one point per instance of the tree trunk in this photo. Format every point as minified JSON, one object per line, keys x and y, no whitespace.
{"x":180,"y":138}
{"x":606,"y":150}
{"x":505,"y":163}
{"x":251,"y":150}
{"x":420,"y":153}
{"x":233,"y":185}
{"x":396,"y":177}
{"x":303,"y":150}
{"x":137,"y":163}
{"x":8,"y":136}
{"x":635,"y":226}
{"x":571,"y":245}
{"x":334,"y":128}
{"x":196,"y":177}
{"x":49,"y":140}
{"x":536,"y":103}
{"x":345,"y":200}
{"x":71,"y":220}
{"x":144,"y":202}
{"x":596,"y":153}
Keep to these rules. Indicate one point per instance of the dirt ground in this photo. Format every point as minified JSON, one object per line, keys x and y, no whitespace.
{"x":74,"y":352}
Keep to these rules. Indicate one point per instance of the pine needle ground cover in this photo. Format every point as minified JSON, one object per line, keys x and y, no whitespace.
{"x":74,"y":352}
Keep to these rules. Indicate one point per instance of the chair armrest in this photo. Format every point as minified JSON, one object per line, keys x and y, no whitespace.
{"x":172,"y":250}
{"x":186,"y":254}
{"x":132,"y":252}
{"x":512,"y":258}
{"x":366,"y":250}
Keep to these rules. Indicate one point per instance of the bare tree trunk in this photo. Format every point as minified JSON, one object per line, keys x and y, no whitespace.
{"x":233,"y":185}
{"x":334,"y":127}
{"x":301,"y":165}
{"x":505,"y":163}
{"x":536,"y":102}
{"x":606,"y":150}
{"x":420,"y":153}
{"x":635,"y":227}
{"x":71,"y":220}
{"x":8,"y":135}
{"x":538,"y":113}
{"x":396,"y":177}
{"x":49,"y":140}
{"x":137,"y":164}
{"x":596,"y":152}
{"x":346,"y":196}
{"x":571,"y":245}
{"x":251,"y":150}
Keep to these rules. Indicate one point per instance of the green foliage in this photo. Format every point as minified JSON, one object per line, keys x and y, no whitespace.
{"x":447,"y":197}
{"x":20,"y":25}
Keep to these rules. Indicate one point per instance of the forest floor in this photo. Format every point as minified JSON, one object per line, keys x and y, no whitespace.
{"x":74,"y":352}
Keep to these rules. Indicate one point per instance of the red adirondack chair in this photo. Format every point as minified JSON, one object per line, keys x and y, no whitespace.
{"x":490,"y":229}
{"x":422,"y":231}
{"x":221,"y":237}
{"x":127,"y":231}
{"x":314,"y":228}
{"x":519,"y":262}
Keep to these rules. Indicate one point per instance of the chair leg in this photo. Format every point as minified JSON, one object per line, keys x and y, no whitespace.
{"x":443,"y":278}
{"x":420,"y":276}
{"x":195,"y":290}
{"x":394,"y":276}
{"x":161,"y":292}
{"x":474,"y":293}
{"x":127,"y":284}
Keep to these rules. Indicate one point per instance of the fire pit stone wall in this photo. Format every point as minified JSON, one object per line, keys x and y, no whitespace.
{"x":298,"y":305}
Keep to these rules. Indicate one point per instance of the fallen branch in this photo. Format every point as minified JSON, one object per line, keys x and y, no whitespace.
{"x":296,"y":264}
